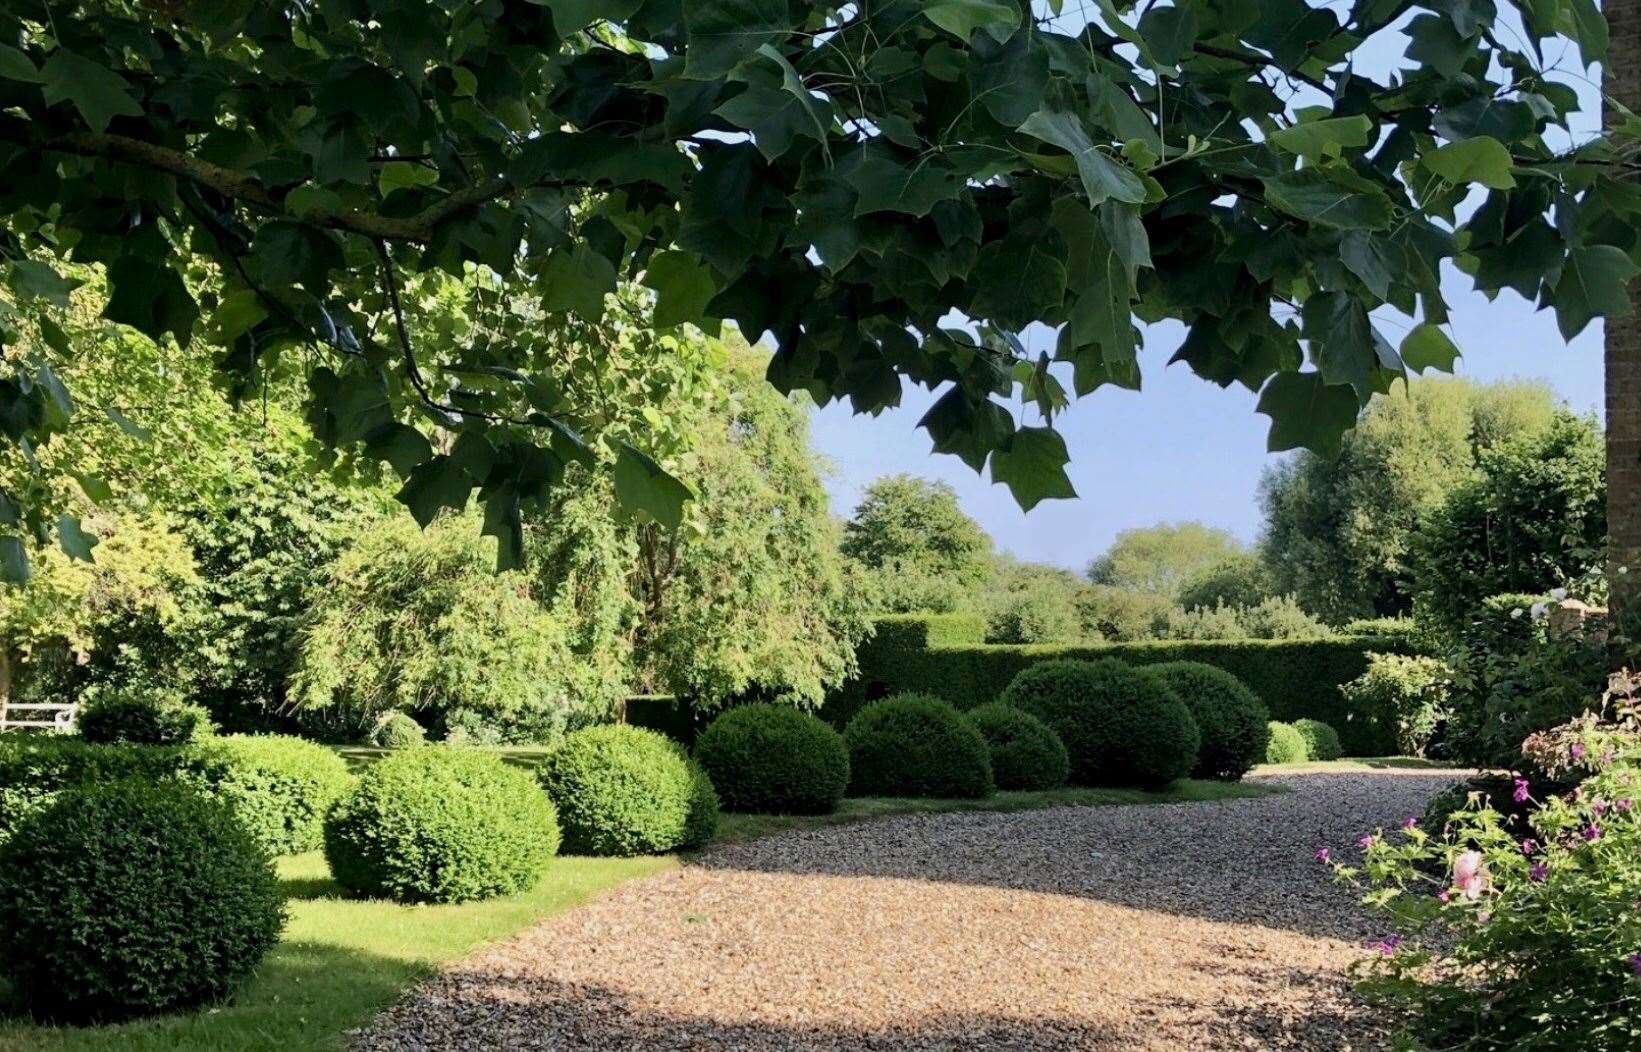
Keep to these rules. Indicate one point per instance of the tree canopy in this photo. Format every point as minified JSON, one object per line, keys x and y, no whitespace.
{"x":1161,"y":559}
{"x":259,"y":182}
{"x":920,"y":547}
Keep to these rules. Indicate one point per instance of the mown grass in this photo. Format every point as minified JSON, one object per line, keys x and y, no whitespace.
{"x":342,"y":960}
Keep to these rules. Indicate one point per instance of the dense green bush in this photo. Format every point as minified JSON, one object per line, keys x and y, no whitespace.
{"x":1120,"y":725}
{"x":34,"y":768}
{"x":1407,"y":695}
{"x":397,"y":730}
{"x":1273,"y":617}
{"x":1231,"y":721}
{"x":913,"y":745}
{"x":141,"y":720}
{"x":776,"y":759}
{"x":1287,"y":744}
{"x":623,"y":790}
{"x":281,"y":787}
{"x":129,"y":899}
{"x":701,"y":824}
{"x":1293,"y":677}
{"x":1321,"y":740}
{"x":441,"y":825}
{"x":1025,"y":753}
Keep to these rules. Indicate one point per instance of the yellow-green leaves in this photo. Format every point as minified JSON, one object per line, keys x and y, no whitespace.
{"x":1482,"y":160}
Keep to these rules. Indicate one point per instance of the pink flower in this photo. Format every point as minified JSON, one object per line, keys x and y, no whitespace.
{"x":1470,"y":874}
{"x":1323,"y":855}
{"x":1366,"y":842}
{"x":1387,"y":945}
{"x":1538,"y":873}
{"x":1529,"y":846}
{"x":1624,"y":805}
{"x":1599,"y":807}
{"x":1576,"y":751}
{"x":1410,"y":822}
{"x":1523,"y":791}
{"x":1443,"y":897}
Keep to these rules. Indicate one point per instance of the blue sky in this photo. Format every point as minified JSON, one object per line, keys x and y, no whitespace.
{"x":1182,"y":448}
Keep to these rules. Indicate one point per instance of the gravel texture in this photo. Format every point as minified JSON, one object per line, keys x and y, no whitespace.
{"x":1180,"y":926}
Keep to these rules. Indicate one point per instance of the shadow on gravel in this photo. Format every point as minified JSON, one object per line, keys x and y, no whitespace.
{"x":1246,"y":861}
{"x":468,"y":1011}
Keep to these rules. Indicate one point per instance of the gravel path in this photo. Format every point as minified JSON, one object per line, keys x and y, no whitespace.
{"x":1181,"y":926}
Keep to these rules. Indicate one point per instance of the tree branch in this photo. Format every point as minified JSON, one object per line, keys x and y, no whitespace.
{"x":244,"y":187}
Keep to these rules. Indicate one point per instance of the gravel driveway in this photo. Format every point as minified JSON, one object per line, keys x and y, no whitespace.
{"x":1178,"y":926}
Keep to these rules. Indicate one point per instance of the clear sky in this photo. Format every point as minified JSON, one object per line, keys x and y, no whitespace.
{"x":1182,"y":448}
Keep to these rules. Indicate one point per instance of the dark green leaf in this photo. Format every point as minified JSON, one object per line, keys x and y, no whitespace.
{"x":1309,"y":195}
{"x":1594,"y":284}
{"x":643,"y":485}
{"x":577,"y":280}
{"x":1104,"y":178}
{"x":1480,"y":160}
{"x":1307,"y":413}
{"x":75,"y":541}
{"x":1428,"y":347}
{"x":1032,"y":465}
{"x":13,"y":561}
{"x":683,"y":288}
{"x":151,"y":298}
{"x":97,"y":92}
{"x":962,"y":17}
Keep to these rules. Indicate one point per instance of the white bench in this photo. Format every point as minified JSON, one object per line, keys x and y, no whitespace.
{"x":55,"y":716}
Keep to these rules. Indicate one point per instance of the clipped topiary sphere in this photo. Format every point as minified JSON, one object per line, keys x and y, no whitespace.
{"x":914,"y":745}
{"x":396,"y":730}
{"x":623,"y":790}
{"x":1230,"y":718}
{"x":1321,"y":740}
{"x":441,"y":824}
{"x":774,"y":759}
{"x":1286,"y":744}
{"x":1120,"y":725}
{"x":704,"y":808}
{"x":1025,"y":751}
{"x":280,"y":787}
{"x":112,"y":720}
{"x":132,"y":898}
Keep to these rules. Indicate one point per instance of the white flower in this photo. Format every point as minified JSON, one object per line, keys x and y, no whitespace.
{"x":1539,"y":610}
{"x":1558,"y":594}
{"x":1515,"y":615}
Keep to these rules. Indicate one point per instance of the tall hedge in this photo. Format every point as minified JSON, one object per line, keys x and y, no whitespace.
{"x":1295,"y":678}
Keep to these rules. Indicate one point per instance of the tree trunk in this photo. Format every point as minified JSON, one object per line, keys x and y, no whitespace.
{"x":1623,"y":357}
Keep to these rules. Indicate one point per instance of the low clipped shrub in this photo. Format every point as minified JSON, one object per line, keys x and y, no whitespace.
{"x":774,"y":759}
{"x":1321,"y":740}
{"x":622,"y":790}
{"x":35,"y":768}
{"x":1287,"y":744}
{"x":281,"y":787}
{"x":441,"y":825}
{"x":1231,"y":720}
{"x":701,"y":825}
{"x":129,"y":899}
{"x":1026,"y":754}
{"x":915,"y":745}
{"x":397,"y":730}
{"x":135,"y":720}
{"x":1121,"y":725}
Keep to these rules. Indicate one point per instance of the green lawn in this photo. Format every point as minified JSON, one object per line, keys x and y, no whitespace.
{"x":342,"y":960}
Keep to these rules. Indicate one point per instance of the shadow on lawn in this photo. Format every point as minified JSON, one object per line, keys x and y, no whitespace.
{"x":469,"y":1010}
{"x":1260,"y":872}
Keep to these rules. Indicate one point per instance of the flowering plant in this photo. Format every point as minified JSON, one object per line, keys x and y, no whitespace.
{"x":1501,"y":942}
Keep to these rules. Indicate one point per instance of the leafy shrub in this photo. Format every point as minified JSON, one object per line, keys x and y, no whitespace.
{"x":1231,"y":721}
{"x":141,"y":720}
{"x":701,"y":825}
{"x":1287,"y":744}
{"x":1120,"y":725}
{"x":1511,"y":939}
{"x":1407,"y":695}
{"x":1025,"y":753}
{"x":623,"y":790}
{"x":441,"y":825}
{"x":397,"y":730}
{"x":776,"y":759}
{"x":913,"y":745}
{"x":280,"y":787}
{"x":1274,"y":617}
{"x":34,"y":768}
{"x":1321,"y":740}
{"x":129,"y":899}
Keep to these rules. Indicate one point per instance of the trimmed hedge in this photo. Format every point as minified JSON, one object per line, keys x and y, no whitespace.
{"x":1026,"y":754}
{"x":914,"y":745}
{"x":1121,"y":725}
{"x":1295,"y":678}
{"x":1321,"y":740}
{"x":123,"y":720}
{"x":623,"y":790}
{"x":1286,"y":744}
{"x":397,"y":730}
{"x":774,"y":759}
{"x":1230,"y":718}
{"x":132,"y":898}
{"x":280,"y":786}
{"x":441,"y":824}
